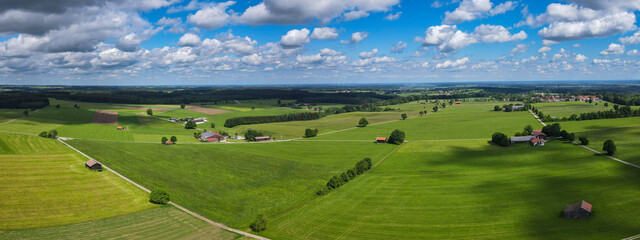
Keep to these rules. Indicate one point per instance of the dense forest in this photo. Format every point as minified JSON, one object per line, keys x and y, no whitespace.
{"x":23,"y":100}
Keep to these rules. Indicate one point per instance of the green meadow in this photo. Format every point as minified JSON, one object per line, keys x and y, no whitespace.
{"x":157,"y":223}
{"x":566,"y":109}
{"x":44,"y":183}
{"x":232,"y":183}
{"x":474,"y":190}
{"x":464,"y":121}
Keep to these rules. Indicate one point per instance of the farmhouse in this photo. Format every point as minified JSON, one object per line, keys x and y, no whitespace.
{"x":581,"y":209}
{"x":93,"y":165}
{"x":199,"y":120}
{"x":537,"y":142}
{"x":210,"y":136}
{"x":189,"y":118}
{"x":262,"y":138}
{"x":539,"y":135}
{"x":381,"y":140}
{"x":516,"y":107}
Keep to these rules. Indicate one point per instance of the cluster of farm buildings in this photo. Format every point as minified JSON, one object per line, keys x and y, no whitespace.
{"x":196,"y":120}
{"x":537,"y":138}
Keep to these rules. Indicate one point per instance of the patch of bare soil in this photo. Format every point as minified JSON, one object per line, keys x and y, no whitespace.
{"x":105,"y":117}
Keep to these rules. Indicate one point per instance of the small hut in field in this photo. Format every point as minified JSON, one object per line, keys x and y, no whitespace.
{"x":581,"y":209}
{"x":381,"y":140}
{"x":93,"y":165}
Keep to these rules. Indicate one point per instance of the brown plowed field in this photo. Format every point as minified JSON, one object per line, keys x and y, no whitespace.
{"x":105,"y":117}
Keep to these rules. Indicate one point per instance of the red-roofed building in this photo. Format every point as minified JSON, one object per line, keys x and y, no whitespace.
{"x":581,"y":209}
{"x":458,"y":102}
{"x":381,"y":140}
{"x":537,"y":142}
{"x":539,"y":135}
{"x":168,"y":143}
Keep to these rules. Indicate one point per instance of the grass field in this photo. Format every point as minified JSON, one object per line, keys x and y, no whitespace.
{"x":232,"y":183}
{"x":43,"y":183}
{"x":473,"y":190}
{"x":157,"y":223}
{"x":566,"y":109}
{"x":465,"y":121}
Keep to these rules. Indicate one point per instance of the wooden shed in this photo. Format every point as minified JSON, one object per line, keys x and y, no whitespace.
{"x":93,"y":165}
{"x":381,"y":140}
{"x":581,"y":209}
{"x":168,"y":143}
{"x":262,"y":138}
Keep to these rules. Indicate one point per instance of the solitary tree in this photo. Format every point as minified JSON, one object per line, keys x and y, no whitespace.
{"x":500,"y":139}
{"x":174,"y":139}
{"x":252,"y":108}
{"x":26,"y":112}
{"x":279,"y":102}
{"x":182,"y":106}
{"x":190,"y":125}
{"x":43,"y":134}
{"x":259,"y":225}
{"x":497,"y":108}
{"x":435,"y":109}
{"x":164,"y":140}
{"x":58,"y":106}
{"x":149,"y":112}
{"x":310,"y":132}
{"x":159,"y":196}
{"x":584,"y":140}
{"x":396,"y":137}
{"x":606,"y":104}
{"x":213,"y":125}
{"x":609,"y":147}
{"x":404,"y":116}
{"x":363,"y":122}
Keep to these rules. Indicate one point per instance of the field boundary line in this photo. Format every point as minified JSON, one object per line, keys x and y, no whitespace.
{"x":610,"y":157}
{"x":30,"y":134}
{"x":632,"y":237}
{"x":385,"y":157}
{"x":537,"y":118}
{"x":219,"y":225}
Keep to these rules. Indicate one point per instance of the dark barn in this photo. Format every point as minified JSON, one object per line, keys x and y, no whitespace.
{"x":93,"y":165}
{"x":581,"y":209}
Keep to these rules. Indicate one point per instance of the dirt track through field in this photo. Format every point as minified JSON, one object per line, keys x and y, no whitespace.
{"x":208,"y":111}
{"x":105,"y":117}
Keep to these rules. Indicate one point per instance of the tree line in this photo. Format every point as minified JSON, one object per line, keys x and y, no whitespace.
{"x":232,"y":122}
{"x":338,"y":180}
{"x":616,"y":112}
{"x":23,"y":100}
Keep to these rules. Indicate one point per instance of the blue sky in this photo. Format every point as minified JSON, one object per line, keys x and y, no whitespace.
{"x":173,"y":42}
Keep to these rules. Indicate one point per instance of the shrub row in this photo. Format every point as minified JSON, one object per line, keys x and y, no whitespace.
{"x":337,"y":181}
{"x":232,"y":122}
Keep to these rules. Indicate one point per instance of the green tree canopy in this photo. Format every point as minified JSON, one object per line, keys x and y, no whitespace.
{"x":609,"y":147}
{"x":159,"y":196}
{"x":396,"y":137}
{"x":363,"y":122}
